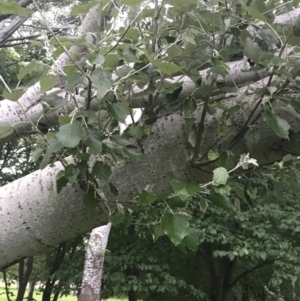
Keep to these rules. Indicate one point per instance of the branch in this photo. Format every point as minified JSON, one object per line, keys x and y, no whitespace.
{"x":23,"y":3}
{"x":93,"y":265}
{"x":245,"y":273}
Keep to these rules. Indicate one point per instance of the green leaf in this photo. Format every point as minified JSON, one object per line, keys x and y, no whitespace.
{"x":61,"y":182}
{"x":45,"y":161}
{"x":13,"y":8}
{"x":71,"y":172}
{"x":102,"y":171}
{"x":111,"y":61}
{"x":120,"y":140}
{"x":70,"y":134}
{"x":93,"y":139}
{"x":192,"y":240}
{"x":252,"y":50}
{"x":168,"y":68}
{"x":14,"y":96}
{"x":185,"y":190}
{"x":220,"y":176}
{"x":277,"y":124}
{"x":135,"y":154}
{"x":54,"y":101}
{"x":131,"y":2}
{"x":175,"y":202}
{"x":117,"y":217}
{"x":176,"y":226}
{"x":54,"y":145}
{"x":33,"y":67}
{"x":47,"y":81}
{"x":252,"y":10}
{"x":101,"y":81}
{"x":90,"y":201}
{"x":138,"y":132}
{"x":113,"y":189}
{"x":221,"y":201}
{"x":182,"y":2}
{"x":228,"y":161}
{"x":82,"y":8}
{"x":146,"y":198}
{"x":158,"y":232}
{"x":118,"y":111}
{"x":97,"y":59}
{"x":5,"y":130}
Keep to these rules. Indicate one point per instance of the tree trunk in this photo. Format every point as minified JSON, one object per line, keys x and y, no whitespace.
{"x":31,"y":290}
{"x":56,"y":265}
{"x":132,"y":296}
{"x":24,"y":277}
{"x":93,"y":265}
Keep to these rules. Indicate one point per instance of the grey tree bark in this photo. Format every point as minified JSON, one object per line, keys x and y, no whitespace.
{"x":93,"y":265}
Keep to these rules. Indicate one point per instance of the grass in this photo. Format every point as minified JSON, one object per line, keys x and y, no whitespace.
{"x":38,"y":296}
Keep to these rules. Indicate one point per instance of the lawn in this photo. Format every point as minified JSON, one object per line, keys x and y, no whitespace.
{"x":38,"y":296}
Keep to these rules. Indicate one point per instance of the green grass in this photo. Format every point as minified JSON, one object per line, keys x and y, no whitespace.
{"x":38,"y":296}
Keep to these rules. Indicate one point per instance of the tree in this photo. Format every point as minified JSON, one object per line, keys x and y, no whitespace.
{"x":157,"y":63}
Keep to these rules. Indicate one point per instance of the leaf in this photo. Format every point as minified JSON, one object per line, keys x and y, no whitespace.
{"x":192,"y":240}
{"x":117,"y":217}
{"x":277,"y":124}
{"x":252,"y":51}
{"x":70,"y":134}
{"x":138,"y":132}
{"x":228,"y":161}
{"x":158,"y":232}
{"x":182,"y":2}
{"x":185,"y":190}
{"x":32,"y":67}
{"x":220,"y":176}
{"x":135,"y":154}
{"x":203,"y":205}
{"x":44,"y":162}
{"x":118,"y":111}
{"x":93,"y":139}
{"x":82,"y":8}
{"x":97,"y":59}
{"x":131,"y":2}
{"x":54,"y":101}
{"x":168,"y":68}
{"x":90,"y":201}
{"x":221,"y":201}
{"x":13,"y":8}
{"x":175,"y":202}
{"x":146,"y":198}
{"x":101,"y":81}
{"x":71,"y":172}
{"x":252,"y":10}
{"x":102,"y":171}
{"x":47,"y":81}
{"x":113,"y":189}
{"x":176,"y":226}
{"x":54,"y":145}
{"x":14,"y":96}
{"x":61,"y":182}
{"x":111,"y":60}
{"x":120,"y":140}
{"x":5,"y":130}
